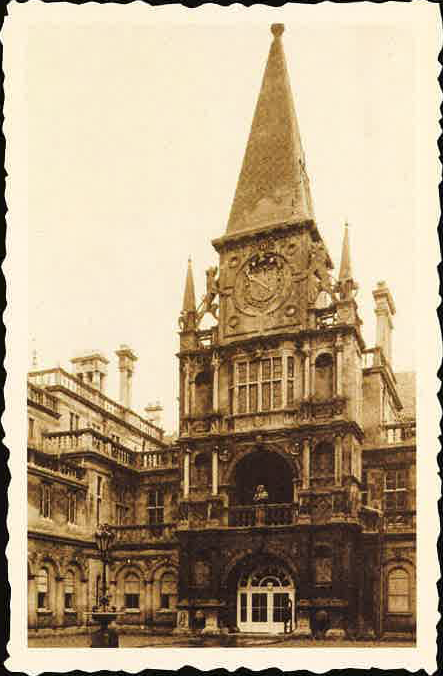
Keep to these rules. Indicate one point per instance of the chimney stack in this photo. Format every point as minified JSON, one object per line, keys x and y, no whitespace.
{"x":384,"y":310}
{"x":154,"y":413}
{"x":91,"y":368}
{"x":126,"y":360}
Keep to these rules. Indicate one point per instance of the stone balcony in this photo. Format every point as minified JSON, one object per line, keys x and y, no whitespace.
{"x":37,"y":396}
{"x":89,"y":440}
{"x":262,"y":515}
{"x":55,"y":465}
{"x":303,"y":412}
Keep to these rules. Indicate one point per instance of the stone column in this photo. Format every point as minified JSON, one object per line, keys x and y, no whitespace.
{"x":186,"y":387}
{"x":32,"y":603}
{"x":294,"y":491}
{"x":312,"y":373}
{"x":186,"y":473}
{"x":306,"y":462}
{"x":339,"y":371}
{"x":215,"y":471}
{"x":216,"y":366}
{"x":59,"y":602}
{"x":338,"y":460}
{"x":307,"y":374}
{"x":148,"y":602}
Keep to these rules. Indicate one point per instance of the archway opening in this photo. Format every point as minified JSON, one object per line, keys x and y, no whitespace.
{"x":265,"y":469}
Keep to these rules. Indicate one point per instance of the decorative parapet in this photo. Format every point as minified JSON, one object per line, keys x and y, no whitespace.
{"x":141,"y":534}
{"x":89,"y":440}
{"x":38,"y":396}
{"x":55,"y":464}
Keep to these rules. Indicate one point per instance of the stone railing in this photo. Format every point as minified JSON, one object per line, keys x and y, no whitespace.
{"x":143,"y":533}
{"x":88,"y":440}
{"x":398,"y":432}
{"x":60,"y":378}
{"x":39,"y":396}
{"x":399,"y":522}
{"x":262,"y":515}
{"x":152,"y":460}
{"x":55,"y":464}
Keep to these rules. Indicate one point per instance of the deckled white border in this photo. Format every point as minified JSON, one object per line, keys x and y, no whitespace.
{"x":423,"y":18}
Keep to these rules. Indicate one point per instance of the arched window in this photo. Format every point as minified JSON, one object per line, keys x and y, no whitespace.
{"x":69,"y":590}
{"x":324,"y":377}
{"x":132,"y":591}
{"x":43,"y":589}
{"x":322,"y":463}
{"x":202,"y":469}
{"x":168,"y":590}
{"x":398,"y":591}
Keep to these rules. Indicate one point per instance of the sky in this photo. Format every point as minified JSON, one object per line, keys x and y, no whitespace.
{"x":136,"y":135}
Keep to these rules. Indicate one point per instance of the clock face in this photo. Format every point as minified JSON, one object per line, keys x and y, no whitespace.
{"x":262,"y":283}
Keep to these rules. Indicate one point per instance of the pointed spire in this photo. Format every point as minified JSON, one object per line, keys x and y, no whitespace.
{"x":273,"y":187}
{"x":189,"y":297}
{"x":345,"y":265}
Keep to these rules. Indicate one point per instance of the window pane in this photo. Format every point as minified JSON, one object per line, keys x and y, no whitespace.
{"x":290,"y":393}
{"x":42,"y":580}
{"x":266,"y":396}
{"x":266,"y":369}
{"x":242,"y":372}
{"x":253,"y":371}
{"x":259,"y":607}
{"x":276,"y":367}
{"x":398,"y":604}
{"x":243,"y":607}
{"x":290,"y":367}
{"x":231,"y":401}
{"x":280,"y":602}
{"x":242,"y":399}
{"x":390,"y":480}
{"x":401,"y":478}
{"x":253,"y":398}
{"x":277,"y":394}
{"x":164,"y":601}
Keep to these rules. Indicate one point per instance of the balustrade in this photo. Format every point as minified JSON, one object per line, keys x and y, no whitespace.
{"x":55,"y":464}
{"x":40,"y":397}
{"x":262,"y":515}
{"x":398,"y":433}
{"x":87,"y":440}
{"x":60,"y":378}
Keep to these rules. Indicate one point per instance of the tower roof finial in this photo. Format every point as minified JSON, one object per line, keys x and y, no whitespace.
{"x":273,"y":186}
{"x":345,"y":264}
{"x":189,"y":296}
{"x":277,"y":29}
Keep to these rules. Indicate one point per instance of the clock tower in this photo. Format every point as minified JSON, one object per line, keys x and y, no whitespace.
{"x":270,"y":401}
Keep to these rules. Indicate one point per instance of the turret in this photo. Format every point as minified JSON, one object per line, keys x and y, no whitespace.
{"x":384,"y":310}
{"x":188,"y":315}
{"x":346,"y":286}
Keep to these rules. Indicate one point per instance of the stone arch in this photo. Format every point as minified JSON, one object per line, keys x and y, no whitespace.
{"x":272,"y":448}
{"x":160,"y":568}
{"x":44,"y":560}
{"x":133,"y":566}
{"x":406,"y":565}
{"x":79,"y":564}
{"x":266,"y":470}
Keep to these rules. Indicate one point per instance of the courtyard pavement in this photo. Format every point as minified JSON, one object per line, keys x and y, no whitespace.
{"x":153,"y":641}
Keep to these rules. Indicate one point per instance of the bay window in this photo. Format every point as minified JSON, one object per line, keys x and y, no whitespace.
{"x":261,"y":385}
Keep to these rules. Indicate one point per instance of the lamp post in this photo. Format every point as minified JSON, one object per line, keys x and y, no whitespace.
{"x":104,"y":637}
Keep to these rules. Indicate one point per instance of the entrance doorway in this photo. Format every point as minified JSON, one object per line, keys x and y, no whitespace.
{"x":262,"y":598}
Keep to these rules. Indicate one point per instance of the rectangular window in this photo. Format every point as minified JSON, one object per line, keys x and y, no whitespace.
{"x":266,"y":396}
{"x":155,"y":507}
{"x":259,"y":607}
{"x":45,"y":501}
{"x":253,"y":398}
{"x":165,"y":601}
{"x":31,"y":428}
{"x":99,"y":485}
{"x":276,"y":367}
{"x":243,"y":607}
{"x":242,"y":399}
{"x":398,"y":591}
{"x":42,"y":589}
{"x":242,"y":372}
{"x":290,"y":383}
{"x":280,"y":602}
{"x":72,"y":507}
{"x":253,"y":371}
{"x":266,"y":369}
{"x":395,"y":495}
{"x":277,"y":399}
{"x":132,"y":600}
{"x":98,"y":509}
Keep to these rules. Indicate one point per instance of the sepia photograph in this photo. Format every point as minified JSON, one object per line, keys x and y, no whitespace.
{"x":223,"y":323}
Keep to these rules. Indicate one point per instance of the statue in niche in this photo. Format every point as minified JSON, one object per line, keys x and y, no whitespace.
{"x":261,"y":494}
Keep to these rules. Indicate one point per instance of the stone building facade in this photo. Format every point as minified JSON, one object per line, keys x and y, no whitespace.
{"x":293,"y":475}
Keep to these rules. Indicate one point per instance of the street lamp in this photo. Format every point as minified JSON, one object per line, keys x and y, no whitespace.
{"x":104,"y":637}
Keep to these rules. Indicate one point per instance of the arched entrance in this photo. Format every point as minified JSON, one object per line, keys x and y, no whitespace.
{"x":262,"y":599}
{"x":263,"y":468}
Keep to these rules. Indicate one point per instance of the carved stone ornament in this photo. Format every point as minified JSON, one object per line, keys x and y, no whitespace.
{"x":224,"y":455}
{"x":262,"y":283}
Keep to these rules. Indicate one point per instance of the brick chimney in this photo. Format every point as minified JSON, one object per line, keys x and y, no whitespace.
{"x":126,"y":361}
{"x":384,"y":311}
{"x":91,"y":368}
